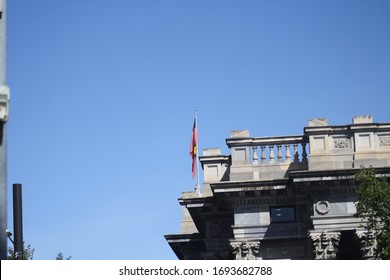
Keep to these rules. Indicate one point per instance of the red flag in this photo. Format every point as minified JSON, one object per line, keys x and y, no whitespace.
{"x":194,"y":148}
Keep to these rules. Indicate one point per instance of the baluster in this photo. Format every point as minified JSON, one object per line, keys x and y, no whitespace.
{"x":263,"y":157}
{"x":280,"y":156}
{"x":288,"y":156}
{"x":255,"y":157}
{"x":271,"y":154}
{"x":296,"y":155}
{"x":304,"y":154}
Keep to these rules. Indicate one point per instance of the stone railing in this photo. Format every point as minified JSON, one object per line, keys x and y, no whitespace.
{"x":270,"y":150}
{"x":254,"y":158}
{"x":267,"y":150}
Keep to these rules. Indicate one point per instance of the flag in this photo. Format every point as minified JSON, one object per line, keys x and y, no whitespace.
{"x":194,"y":148}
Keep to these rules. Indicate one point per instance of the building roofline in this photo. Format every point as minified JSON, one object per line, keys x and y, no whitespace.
{"x":332,"y":174}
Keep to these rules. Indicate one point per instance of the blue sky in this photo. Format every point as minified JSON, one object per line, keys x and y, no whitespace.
{"x":103,"y":96}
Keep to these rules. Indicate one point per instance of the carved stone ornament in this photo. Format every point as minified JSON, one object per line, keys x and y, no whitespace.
{"x":326,"y":245}
{"x":384,"y":140}
{"x":246,"y":250}
{"x":342,"y":143}
{"x":322,"y":207}
{"x":367,"y":243}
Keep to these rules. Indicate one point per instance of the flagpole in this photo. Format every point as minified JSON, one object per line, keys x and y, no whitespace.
{"x":197,"y":188}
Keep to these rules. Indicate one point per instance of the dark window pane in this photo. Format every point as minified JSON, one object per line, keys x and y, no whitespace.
{"x":282,"y":214}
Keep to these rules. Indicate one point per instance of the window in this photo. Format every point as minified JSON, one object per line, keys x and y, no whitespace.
{"x":282,"y":214}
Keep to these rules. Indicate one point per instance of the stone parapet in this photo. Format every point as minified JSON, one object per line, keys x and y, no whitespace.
{"x":263,"y":158}
{"x":362,"y":143}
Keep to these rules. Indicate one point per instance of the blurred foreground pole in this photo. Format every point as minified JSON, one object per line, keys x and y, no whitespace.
{"x":4,"y":112}
{"x":18,"y":222}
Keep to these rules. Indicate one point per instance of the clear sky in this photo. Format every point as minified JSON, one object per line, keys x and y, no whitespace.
{"x":103,"y":96}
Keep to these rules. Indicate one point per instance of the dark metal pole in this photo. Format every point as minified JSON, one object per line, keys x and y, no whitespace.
{"x":3,"y":193}
{"x":18,"y":222}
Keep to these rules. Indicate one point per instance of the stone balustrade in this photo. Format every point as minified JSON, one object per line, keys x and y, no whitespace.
{"x":267,"y":150}
{"x":271,"y":150}
{"x":255,"y":158}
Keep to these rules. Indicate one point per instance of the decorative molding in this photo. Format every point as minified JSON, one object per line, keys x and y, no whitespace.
{"x":245,"y":250}
{"x":384,"y":141}
{"x":331,"y":189}
{"x":268,"y":200}
{"x":322,"y":207}
{"x":325,"y":244}
{"x":367,"y":243}
{"x":342,"y":143}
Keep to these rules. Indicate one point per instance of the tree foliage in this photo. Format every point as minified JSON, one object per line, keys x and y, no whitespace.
{"x":373,"y":205}
{"x":60,"y":257}
{"x":28,"y":254}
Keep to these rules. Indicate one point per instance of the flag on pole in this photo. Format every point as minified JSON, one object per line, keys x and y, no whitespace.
{"x":194,"y":148}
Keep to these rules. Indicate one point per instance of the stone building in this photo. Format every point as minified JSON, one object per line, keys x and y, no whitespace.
{"x":284,"y":197}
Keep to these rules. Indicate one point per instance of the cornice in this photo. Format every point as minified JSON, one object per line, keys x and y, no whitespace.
{"x":239,"y":186}
{"x":331,"y":174}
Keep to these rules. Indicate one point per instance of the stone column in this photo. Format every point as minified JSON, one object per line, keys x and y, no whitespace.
{"x":246,"y":250}
{"x":326,"y":244}
{"x":367,"y":243}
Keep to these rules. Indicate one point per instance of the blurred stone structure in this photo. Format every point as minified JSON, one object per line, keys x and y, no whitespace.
{"x":284,"y":197}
